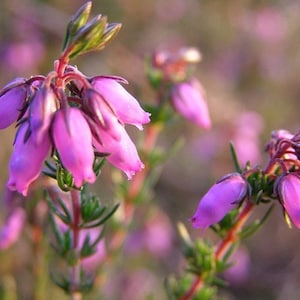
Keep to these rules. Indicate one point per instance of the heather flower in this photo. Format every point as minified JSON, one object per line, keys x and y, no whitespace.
{"x":189,"y":100}
{"x":42,"y":109}
{"x":122,"y":153}
{"x":221,"y":198}
{"x":288,"y":189}
{"x":26,"y":160}
{"x":247,"y":128}
{"x":124,"y":104}
{"x":11,"y":105}
{"x":12,"y":228}
{"x":73,"y":140}
{"x":102,"y":113}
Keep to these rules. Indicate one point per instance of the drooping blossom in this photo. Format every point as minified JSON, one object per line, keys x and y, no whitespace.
{"x":220,"y":199}
{"x":125,"y":105}
{"x":73,"y":140}
{"x":12,"y":228}
{"x":111,"y":137}
{"x":122,"y":153}
{"x":26,"y":160}
{"x":11,"y":104}
{"x":288,"y":189}
{"x":188,"y":99}
{"x":42,"y":109}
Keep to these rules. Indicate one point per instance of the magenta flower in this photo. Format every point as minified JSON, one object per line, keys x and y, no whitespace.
{"x":73,"y":140}
{"x":189,"y":100}
{"x":103,"y":113}
{"x":221,"y":198}
{"x":12,"y":228}
{"x":11,"y":104}
{"x":122,"y":153}
{"x":27,"y":159}
{"x":288,"y":189}
{"x":42,"y":109}
{"x":125,"y":105}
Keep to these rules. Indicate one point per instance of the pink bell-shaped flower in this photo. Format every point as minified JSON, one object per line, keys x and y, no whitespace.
{"x":288,"y":189}
{"x":125,"y":105}
{"x":27,"y":159}
{"x":188,"y":100}
{"x":73,"y":140}
{"x":220,"y":199}
{"x":12,"y":228}
{"x":122,"y":153}
{"x":11,"y":104}
{"x":102,"y":112}
{"x":42,"y":109}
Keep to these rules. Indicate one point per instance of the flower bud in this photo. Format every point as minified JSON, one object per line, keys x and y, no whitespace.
{"x":188,"y":100}
{"x":11,"y":104}
{"x":125,"y":105}
{"x":27,"y":159}
{"x":288,"y":190}
{"x":220,"y":200}
{"x":73,"y":140}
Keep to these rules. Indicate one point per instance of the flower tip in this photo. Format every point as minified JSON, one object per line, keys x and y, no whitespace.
{"x":12,"y":185}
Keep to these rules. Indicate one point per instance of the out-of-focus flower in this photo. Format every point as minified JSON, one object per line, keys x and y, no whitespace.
{"x":188,"y":99}
{"x":125,"y":105}
{"x":91,"y":263}
{"x":12,"y":228}
{"x":220,"y":200}
{"x":73,"y":140}
{"x":155,"y":236}
{"x":11,"y":104}
{"x":247,"y":129}
{"x":27,"y":159}
{"x":288,"y":189}
{"x":238,"y":273}
{"x":30,"y":53}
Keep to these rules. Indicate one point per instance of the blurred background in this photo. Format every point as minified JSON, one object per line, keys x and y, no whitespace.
{"x":250,"y":70}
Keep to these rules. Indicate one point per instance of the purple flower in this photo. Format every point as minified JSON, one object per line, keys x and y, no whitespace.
{"x":125,"y":105}
{"x":26,"y":160}
{"x":12,"y":228}
{"x":73,"y":140}
{"x":288,"y":189}
{"x":189,"y":100}
{"x":102,"y":113}
{"x":219,"y":200}
{"x":122,"y":153}
{"x":11,"y":104}
{"x":42,"y":109}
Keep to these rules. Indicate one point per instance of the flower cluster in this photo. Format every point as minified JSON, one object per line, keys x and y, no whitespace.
{"x":75,"y":117}
{"x":279,"y":180}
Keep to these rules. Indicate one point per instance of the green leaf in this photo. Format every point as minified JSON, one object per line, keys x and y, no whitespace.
{"x":251,"y":229}
{"x":103,"y":220}
{"x":235,"y":158}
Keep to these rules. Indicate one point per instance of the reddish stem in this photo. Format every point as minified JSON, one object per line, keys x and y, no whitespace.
{"x":75,"y":269}
{"x":151,"y":135}
{"x":223,"y":247}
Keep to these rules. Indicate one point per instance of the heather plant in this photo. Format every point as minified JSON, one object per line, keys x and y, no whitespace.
{"x":68,"y":125}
